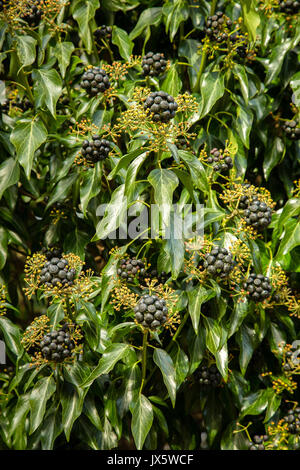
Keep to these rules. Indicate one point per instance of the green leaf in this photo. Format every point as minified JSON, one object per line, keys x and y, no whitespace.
{"x":256,"y":403}
{"x":172,"y":83}
{"x":213,"y":334}
{"x":26,"y":49}
{"x":12,"y":336}
{"x":27,"y":136}
{"x":39,"y":396}
{"x":243,"y":124}
{"x":196,"y":298}
{"x":241,"y":74}
{"x":63,"y":51}
{"x":90,"y":186}
{"x":166,"y":366}
{"x":276,"y":58}
{"x":181,"y":364}
{"x":164,"y":183}
{"x":50,"y":430}
{"x":114,"y":214}
{"x":9,"y":174}
{"x":240,"y":311}
{"x":151,"y":16}
{"x":131,"y":174}
{"x":83,"y":12}
{"x":196,"y":170}
{"x":142,"y":419}
{"x":62,"y":189}
{"x":72,"y":402}
{"x":248,"y":341}
{"x":274,"y":154}
{"x":121,"y":39}
{"x":47,"y":88}
{"x":222,"y":361}
{"x":290,"y":240}
{"x":212,"y":89}
{"x":56,"y":313}
{"x":295,"y":85}
{"x":3,"y":246}
{"x":251,"y":17}
{"x":114,"y":353}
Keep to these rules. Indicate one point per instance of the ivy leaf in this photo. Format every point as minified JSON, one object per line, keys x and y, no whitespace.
{"x":212,"y":89}
{"x":90,"y":186}
{"x":256,"y":403}
{"x":83,"y":12}
{"x":164,"y":183}
{"x":121,"y":39}
{"x":151,"y":16}
{"x":142,"y":419}
{"x":114,"y":214}
{"x":166,"y":366}
{"x":63,"y":52}
{"x":3,"y":246}
{"x":196,"y":298}
{"x":172,"y":83}
{"x":251,"y":17}
{"x":47,"y":88}
{"x":72,"y":402}
{"x":290,"y":240}
{"x":274,"y":154}
{"x":12,"y":336}
{"x":27,"y":136}
{"x":39,"y":396}
{"x":248,"y":341}
{"x":114,"y":353}
{"x":9,"y":174}
{"x":26,"y":49}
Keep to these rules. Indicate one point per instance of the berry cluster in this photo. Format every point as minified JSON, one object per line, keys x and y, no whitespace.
{"x":151,"y":311}
{"x":51,"y":252}
{"x":220,"y":162}
{"x":256,"y":213}
{"x":209,"y":376}
{"x":291,"y":7}
{"x":153,"y":64}
{"x":258,"y":442}
{"x":218,"y":262}
{"x":57,"y":345}
{"x":130,"y":268}
{"x":242,"y":48}
{"x":161,"y":105}
{"x":258,"y":287}
{"x":56,"y":272}
{"x":154,"y":274}
{"x":33,"y":16}
{"x":293,"y":420}
{"x":215,"y":27}
{"x":95,"y":150}
{"x":102,"y":32}
{"x":95,"y":80}
{"x":4,"y":106}
{"x":291,"y":130}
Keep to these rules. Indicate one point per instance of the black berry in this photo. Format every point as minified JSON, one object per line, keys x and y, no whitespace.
{"x":291,"y":130}
{"x":293,"y":420}
{"x":56,"y":345}
{"x":33,"y":16}
{"x":161,"y":105}
{"x":102,"y":33}
{"x":220,"y":162}
{"x":219,"y":262}
{"x":257,"y":213}
{"x":153,"y":64}
{"x":258,"y":287}
{"x":56,"y":272}
{"x":95,"y":80}
{"x":258,"y":442}
{"x":209,"y":376}
{"x":151,"y":311}
{"x":95,"y":150}
{"x":129,"y":269}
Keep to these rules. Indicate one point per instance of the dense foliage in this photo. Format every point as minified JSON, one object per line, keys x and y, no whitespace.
{"x":149,"y":341}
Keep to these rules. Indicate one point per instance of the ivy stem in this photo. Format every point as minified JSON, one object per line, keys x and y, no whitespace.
{"x":204,"y":54}
{"x":144,"y":359}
